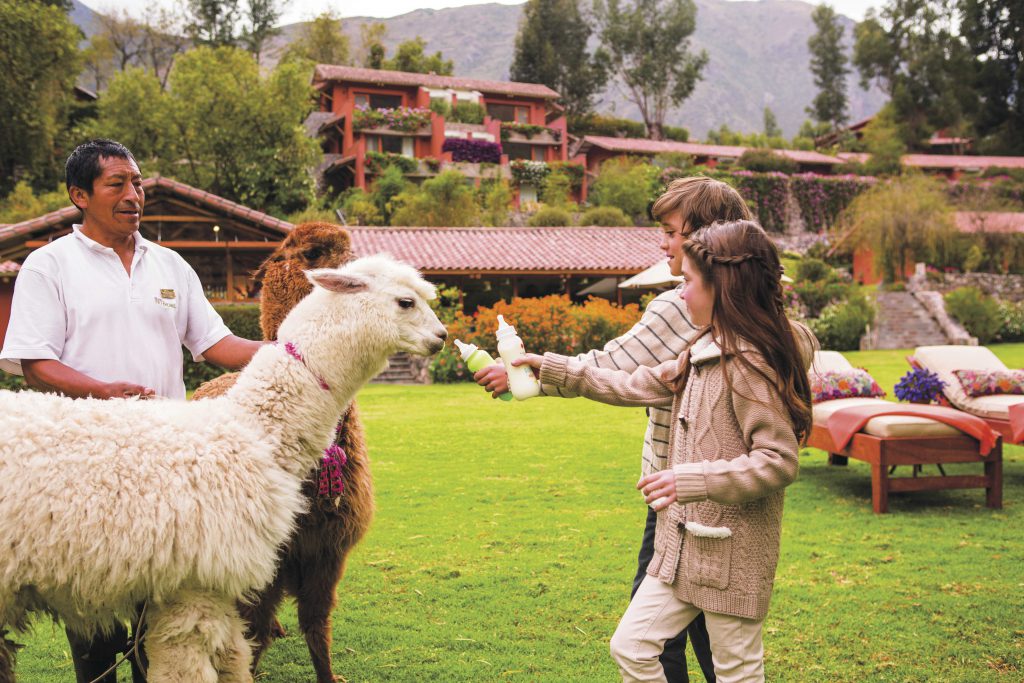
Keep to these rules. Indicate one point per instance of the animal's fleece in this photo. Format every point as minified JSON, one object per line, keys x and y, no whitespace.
{"x":312,"y":563}
{"x":105,"y":504}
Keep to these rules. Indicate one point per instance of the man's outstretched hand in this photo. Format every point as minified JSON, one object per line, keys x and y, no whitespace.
{"x":493,"y":378}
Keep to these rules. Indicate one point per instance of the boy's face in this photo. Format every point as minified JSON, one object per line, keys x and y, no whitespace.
{"x":674,"y":234}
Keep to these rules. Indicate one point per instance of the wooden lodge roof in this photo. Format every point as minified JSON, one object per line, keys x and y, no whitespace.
{"x":160,"y":191}
{"x":583,"y":250}
{"x":644,"y":146}
{"x":331,"y":72}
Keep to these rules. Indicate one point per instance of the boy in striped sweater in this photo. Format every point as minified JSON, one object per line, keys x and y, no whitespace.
{"x":661,"y":334}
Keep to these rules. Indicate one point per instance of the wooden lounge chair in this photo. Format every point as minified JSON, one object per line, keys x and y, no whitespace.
{"x":943,"y":360}
{"x":890,"y":440}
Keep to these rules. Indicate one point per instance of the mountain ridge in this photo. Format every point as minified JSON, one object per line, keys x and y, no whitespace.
{"x":757,"y":48}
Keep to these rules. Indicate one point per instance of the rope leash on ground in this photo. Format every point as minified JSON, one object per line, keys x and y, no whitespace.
{"x":133,"y":650}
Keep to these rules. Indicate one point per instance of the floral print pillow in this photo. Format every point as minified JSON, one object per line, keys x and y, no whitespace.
{"x":828,"y":386}
{"x":988,"y":382}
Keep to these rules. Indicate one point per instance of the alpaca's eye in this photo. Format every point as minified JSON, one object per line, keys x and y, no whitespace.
{"x":406,"y":303}
{"x":312,"y":254}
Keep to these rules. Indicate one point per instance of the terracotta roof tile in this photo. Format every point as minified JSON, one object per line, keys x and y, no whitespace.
{"x":989,"y":221}
{"x":331,"y":72}
{"x":70,"y":214}
{"x":644,"y":146}
{"x":960,"y":162}
{"x":515,"y":250}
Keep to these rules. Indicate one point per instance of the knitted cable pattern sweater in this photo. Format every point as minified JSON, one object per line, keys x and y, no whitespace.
{"x":733,"y":453}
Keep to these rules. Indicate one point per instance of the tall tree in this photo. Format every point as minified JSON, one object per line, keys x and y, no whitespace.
{"x":221,"y":126}
{"x":39,"y":63}
{"x":260,"y":25}
{"x":912,"y":51}
{"x":771,"y":124}
{"x":321,"y":41}
{"x":165,"y":39}
{"x":649,"y":50}
{"x":551,"y":48}
{"x":994,"y":30}
{"x":829,"y":67}
{"x":213,"y":22}
{"x":410,"y":56}
{"x":371,"y":45}
{"x":125,"y":35}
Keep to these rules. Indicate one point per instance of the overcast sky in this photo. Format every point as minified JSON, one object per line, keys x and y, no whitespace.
{"x":302,"y":10}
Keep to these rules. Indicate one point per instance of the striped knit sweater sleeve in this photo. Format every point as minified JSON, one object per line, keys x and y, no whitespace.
{"x":662,"y":334}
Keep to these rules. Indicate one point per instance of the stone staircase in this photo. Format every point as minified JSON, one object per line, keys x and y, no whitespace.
{"x":403,"y":369}
{"x":902,"y":323}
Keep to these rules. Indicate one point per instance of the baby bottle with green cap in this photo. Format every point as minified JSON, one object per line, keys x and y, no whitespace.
{"x":477,"y":359}
{"x":521,"y":379}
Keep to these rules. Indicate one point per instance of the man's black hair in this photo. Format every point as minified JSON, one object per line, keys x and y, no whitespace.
{"x":83,"y":166}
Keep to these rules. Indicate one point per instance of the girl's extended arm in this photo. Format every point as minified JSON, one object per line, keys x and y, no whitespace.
{"x":771,"y":462}
{"x":644,"y":386}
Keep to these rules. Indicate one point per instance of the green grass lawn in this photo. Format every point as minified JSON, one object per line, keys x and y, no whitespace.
{"x":506,"y":537}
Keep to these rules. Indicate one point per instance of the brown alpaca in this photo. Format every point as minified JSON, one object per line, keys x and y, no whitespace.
{"x":312,"y":563}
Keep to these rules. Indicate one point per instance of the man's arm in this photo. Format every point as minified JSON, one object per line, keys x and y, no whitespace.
{"x":52,"y":375}
{"x":232,"y":353}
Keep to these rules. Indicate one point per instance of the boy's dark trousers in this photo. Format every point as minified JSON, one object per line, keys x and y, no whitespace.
{"x":93,"y":656}
{"x":673,"y":659}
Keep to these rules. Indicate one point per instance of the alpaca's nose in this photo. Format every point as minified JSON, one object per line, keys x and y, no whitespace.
{"x":443,"y":334}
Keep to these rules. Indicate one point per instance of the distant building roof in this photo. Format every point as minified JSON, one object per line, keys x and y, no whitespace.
{"x":989,"y":221}
{"x":645,"y":146}
{"x":960,"y":162}
{"x":207,"y":199}
{"x":331,"y":72}
{"x":319,"y":121}
{"x":612,"y":251}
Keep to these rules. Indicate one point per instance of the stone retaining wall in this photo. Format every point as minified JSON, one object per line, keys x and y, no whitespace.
{"x":1006,"y":287}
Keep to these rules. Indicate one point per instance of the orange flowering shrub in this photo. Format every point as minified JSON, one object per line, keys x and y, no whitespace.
{"x":550,"y":323}
{"x":600,"y":320}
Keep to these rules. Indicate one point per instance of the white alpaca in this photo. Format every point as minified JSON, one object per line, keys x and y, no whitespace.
{"x":105,"y":504}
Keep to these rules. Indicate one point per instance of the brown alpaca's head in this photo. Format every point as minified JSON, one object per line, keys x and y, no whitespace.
{"x":307,"y":246}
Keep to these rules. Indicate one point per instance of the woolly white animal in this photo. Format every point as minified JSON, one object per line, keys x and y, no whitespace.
{"x":106,"y":504}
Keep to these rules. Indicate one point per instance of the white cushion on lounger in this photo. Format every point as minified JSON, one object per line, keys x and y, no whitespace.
{"x":829,"y":361}
{"x":943,"y":360}
{"x":884,"y":425}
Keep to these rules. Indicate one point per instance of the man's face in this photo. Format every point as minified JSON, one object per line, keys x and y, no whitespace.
{"x":675,"y":231}
{"x":117,"y":199}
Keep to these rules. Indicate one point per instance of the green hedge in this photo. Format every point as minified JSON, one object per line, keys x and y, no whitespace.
{"x":244,"y":321}
{"x":976,"y":311}
{"x":842,"y":324}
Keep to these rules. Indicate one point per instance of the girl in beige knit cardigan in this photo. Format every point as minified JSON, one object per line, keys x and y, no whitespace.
{"x":741,"y":402}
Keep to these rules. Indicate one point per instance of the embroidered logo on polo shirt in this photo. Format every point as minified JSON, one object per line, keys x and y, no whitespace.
{"x":167,"y":299}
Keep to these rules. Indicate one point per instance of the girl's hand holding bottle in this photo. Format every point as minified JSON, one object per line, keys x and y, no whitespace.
{"x":659,"y":489}
{"x":531,"y":359}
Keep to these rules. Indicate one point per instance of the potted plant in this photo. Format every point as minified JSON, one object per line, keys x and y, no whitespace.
{"x":919,"y":386}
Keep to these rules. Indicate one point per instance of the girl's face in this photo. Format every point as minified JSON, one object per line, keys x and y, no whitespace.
{"x":672,"y":240}
{"x":698,"y":295}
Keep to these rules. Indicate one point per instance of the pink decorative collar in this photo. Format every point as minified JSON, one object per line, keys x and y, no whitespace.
{"x":293,"y":351}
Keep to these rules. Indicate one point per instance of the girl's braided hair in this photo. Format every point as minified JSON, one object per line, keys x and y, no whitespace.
{"x":741,"y":264}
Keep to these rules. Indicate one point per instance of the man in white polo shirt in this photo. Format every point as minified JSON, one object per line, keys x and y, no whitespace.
{"x":103,"y":312}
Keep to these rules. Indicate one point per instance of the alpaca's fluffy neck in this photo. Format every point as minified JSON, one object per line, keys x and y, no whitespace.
{"x":284,"y":395}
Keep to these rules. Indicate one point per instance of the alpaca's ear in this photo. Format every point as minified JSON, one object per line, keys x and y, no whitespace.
{"x":337,"y":282}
